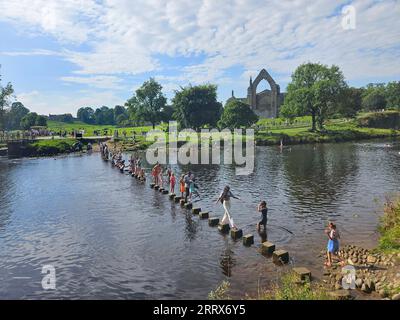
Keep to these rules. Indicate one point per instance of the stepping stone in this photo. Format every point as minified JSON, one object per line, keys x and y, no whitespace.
{"x":212,"y":222}
{"x":267,"y":248}
{"x":196,"y":210}
{"x":156,"y":187}
{"x":204,"y":215}
{"x":236,"y":234}
{"x":280,"y":256}
{"x":177,"y":199}
{"x":165,"y":191}
{"x":248,"y":239}
{"x":161,"y":189}
{"x":188,"y":205}
{"x":172,"y":196}
{"x":303,"y":273}
{"x":182,"y":202}
{"x":152,"y":185}
{"x":223,"y":228}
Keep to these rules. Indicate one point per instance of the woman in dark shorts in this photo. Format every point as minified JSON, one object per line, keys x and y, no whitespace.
{"x":262,"y":207}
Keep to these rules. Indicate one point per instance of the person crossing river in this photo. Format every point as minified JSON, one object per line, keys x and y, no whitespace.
{"x":224,"y":198}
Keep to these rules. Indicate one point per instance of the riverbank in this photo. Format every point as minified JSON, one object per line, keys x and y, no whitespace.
{"x":333,"y":133}
{"x":377,"y":271}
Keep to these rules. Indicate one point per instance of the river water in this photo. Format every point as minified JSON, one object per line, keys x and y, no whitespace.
{"x":109,"y":236}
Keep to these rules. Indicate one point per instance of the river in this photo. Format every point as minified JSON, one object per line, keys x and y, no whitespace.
{"x":110,"y":237}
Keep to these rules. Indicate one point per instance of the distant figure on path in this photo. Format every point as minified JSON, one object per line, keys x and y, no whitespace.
{"x":225,"y":197}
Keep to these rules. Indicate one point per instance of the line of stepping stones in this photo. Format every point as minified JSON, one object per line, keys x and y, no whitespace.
{"x":267,"y":248}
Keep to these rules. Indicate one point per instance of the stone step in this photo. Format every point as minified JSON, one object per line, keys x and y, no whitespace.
{"x":303,"y":273}
{"x":165,"y":191}
{"x":177,"y":199}
{"x":182,"y":202}
{"x":280,"y":256}
{"x":236,"y":234}
{"x":171,"y":196}
{"x":223,"y":228}
{"x":204,"y":215}
{"x":196,"y":210}
{"x":248,"y":239}
{"x":267,"y":248}
{"x":188,"y":205}
{"x":156,"y":187}
{"x":152,"y":185}
{"x":212,"y":222}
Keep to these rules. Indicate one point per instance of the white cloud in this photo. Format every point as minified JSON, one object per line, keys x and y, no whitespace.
{"x":128,"y":37}
{"x":104,"y":82}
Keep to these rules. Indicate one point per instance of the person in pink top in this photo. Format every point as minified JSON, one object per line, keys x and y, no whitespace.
{"x":172,"y":182}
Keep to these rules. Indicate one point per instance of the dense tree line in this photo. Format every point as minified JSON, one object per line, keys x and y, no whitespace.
{"x":321,"y":92}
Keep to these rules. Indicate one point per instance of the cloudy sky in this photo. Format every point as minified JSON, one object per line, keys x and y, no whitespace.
{"x":64,"y":54}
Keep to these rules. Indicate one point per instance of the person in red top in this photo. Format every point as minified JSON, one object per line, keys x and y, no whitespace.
{"x":172,"y":182}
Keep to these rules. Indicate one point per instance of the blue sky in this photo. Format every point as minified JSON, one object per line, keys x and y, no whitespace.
{"x":65,"y":54}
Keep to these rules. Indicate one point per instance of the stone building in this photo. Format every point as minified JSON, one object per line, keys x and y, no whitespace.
{"x":265,"y":104}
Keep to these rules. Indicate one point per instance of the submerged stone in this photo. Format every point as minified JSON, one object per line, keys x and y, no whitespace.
{"x":196,"y":210}
{"x":212,"y":222}
{"x":267,"y":248}
{"x":224,"y":228}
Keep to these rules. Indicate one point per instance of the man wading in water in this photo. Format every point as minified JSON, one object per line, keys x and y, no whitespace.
{"x":225,"y":197}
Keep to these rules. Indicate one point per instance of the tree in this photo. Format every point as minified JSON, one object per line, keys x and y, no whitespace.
{"x":41,"y":121}
{"x":393,"y":95}
{"x":374,"y":97}
{"x":237,"y":114}
{"x":147,"y":102}
{"x":86,"y":115}
{"x":15,"y":115}
{"x":350,"y":102}
{"x":167,"y":113}
{"x":5,"y":95}
{"x":29,"y":120}
{"x":197,"y":106}
{"x":315,"y":90}
{"x":104,"y":115}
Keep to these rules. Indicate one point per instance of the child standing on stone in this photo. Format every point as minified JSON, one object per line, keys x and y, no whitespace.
{"x":172,"y":183}
{"x":333,"y":242}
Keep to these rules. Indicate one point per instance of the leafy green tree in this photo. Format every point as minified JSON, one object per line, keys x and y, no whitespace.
{"x":15,"y":115}
{"x":104,"y":115}
{"x":350,"y":102}
{"x":315,"y":90}
{"x":167,"y":113}
{"x":86,"y":115}
{"x":373,"y":97}
{"x":393,"y":95}
{"x":29,"y":120}
{"x":41,"y":121}
{"x":147,"y":102}
{"x":197,"y":106}
{"x":5,"y":95}
{"x":237,"y":114}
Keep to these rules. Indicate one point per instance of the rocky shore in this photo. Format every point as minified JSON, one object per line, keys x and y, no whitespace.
{"x":377,"y":274}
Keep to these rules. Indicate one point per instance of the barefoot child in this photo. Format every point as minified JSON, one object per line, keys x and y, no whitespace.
{"x":182,"y":185}
{"x":333,"y":242}
{"x":262,"y":207}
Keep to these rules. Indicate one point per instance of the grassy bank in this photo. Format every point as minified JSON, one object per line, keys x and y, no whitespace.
{"x":335,"y":132}
{"x":289,"y":287}
{"x":389,"y":227}
{"x":49,"y":147}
